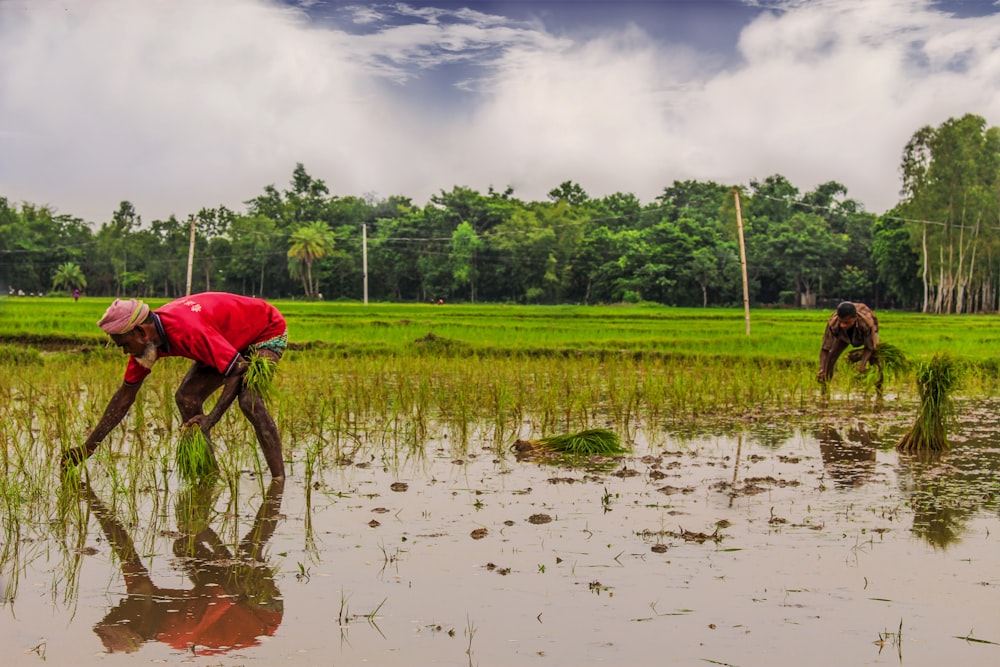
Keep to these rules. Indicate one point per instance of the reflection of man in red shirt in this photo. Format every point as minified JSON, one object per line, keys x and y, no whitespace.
{"x":234,"y":601}
{"x":219,"y":332}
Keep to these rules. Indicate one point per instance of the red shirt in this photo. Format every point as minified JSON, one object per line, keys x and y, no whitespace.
{"x":215,"y":624}
{"x":211,"y":328}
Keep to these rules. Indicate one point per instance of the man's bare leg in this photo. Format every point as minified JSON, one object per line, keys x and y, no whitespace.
{"x":256,"y":412}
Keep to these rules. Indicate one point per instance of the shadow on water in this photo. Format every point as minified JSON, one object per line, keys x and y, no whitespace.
{"x":234,"y":600}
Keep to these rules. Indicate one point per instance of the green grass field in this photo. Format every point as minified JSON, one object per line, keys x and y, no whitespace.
{"x":789,"y":336}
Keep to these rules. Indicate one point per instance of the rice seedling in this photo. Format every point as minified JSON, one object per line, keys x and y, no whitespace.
{"x":887,"y":359}
{"x":936,"y":380}
{"x":195,"y":460}
{"x":259,"y":376}
{"x":592,"y":442}
{"x":892,"y":359}
{"x":470,"y":631}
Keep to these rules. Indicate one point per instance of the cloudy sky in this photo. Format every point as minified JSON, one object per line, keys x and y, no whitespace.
{"x":182,"y":104}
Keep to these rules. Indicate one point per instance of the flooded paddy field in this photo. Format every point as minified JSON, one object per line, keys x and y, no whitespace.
{"x":785,"y":540}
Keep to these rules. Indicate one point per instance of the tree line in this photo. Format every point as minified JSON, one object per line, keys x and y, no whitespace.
{"x":938,"y":250}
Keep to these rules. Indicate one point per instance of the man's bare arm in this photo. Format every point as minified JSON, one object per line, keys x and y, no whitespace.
{"x":116,"y":410}
{"x":230,"y":391}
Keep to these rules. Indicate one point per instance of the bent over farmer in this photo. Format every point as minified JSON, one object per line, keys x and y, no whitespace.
{"x":851,"y":325}
{"x":219,"y":332}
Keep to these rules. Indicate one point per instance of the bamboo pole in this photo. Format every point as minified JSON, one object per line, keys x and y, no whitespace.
{"x":743,"y":259}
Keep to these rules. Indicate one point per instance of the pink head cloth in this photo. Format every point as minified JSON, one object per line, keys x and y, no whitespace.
{"x":123,"y":315}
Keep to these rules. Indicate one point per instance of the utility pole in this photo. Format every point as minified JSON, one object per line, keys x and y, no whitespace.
{"x":743,"y":259}
{"x":364,"y":258}
{"x":190,"y":258}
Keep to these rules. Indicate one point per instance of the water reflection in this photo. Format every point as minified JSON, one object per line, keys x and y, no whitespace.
{"x":942,"y":496}
{"x":772,"y":434}
{"x":943,"y":490}
{"x":848,"y":457}
{"x":234,"y":601}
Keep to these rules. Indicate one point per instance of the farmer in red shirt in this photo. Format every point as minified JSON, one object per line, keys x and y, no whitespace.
{"x":218,"y":332}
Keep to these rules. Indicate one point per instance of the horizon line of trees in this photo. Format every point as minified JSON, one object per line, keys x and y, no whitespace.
{"x":938,"y":250}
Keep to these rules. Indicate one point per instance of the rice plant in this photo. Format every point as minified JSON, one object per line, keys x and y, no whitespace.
{"x":195,"y":460}
{"x":888,"y":356}
{"x":936,"y":380}
{"x":892,"y":358}
{"x":886,"y":359}
{"x":259,"y":376}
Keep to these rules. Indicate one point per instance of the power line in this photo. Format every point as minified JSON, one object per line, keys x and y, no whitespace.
{"x":829,"y":209}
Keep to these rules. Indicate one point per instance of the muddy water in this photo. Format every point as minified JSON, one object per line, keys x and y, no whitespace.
{"x":781,"y":544}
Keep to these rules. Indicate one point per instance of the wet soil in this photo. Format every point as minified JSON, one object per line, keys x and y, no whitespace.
{"x":781,"y":542}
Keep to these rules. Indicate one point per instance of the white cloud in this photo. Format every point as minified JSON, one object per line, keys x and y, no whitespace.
{"x":832,"y":91}
{"x":363,"y":15}
{"x":184,"y":104}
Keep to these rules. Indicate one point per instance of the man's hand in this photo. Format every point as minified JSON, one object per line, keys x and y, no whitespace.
{"x":821,"y":376}
{"x":862,"y":367}
{"x":73,"y":457}
{"x":202,"y":421}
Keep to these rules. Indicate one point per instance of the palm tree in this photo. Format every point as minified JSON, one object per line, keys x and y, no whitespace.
{"x":70,"y":276}
{"x":310,"y":242}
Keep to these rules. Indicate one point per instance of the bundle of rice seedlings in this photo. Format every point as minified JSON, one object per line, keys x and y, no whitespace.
{"x":890,"y":357}
{"x":936,"y":380}
{"x":592,"y":442}
{"x":259,"y":376}
{"x":195,"y":460}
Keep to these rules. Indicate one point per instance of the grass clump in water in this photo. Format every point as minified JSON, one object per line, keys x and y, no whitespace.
{"x":936,"y":380}
{"x":195,"y":460}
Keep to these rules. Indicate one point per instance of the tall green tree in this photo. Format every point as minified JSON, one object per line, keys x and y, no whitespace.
{"x":251,"y":255}
{"x":307,"y":198}
{"x":599,"y":265}
{"x":696,"y":200}
{"x":770,"y":202}
{"x":165,"y":261}
{"x":897,"y":265}
{"x":310,"y":242}
{"x":69,"y":276}
{"x":804,"y":251}
{"x":34,"y":241}
{"x":951,"y":177}
{"x":123,"y":223}
{"x":464,"y":246}
{"x":570,"y":193}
